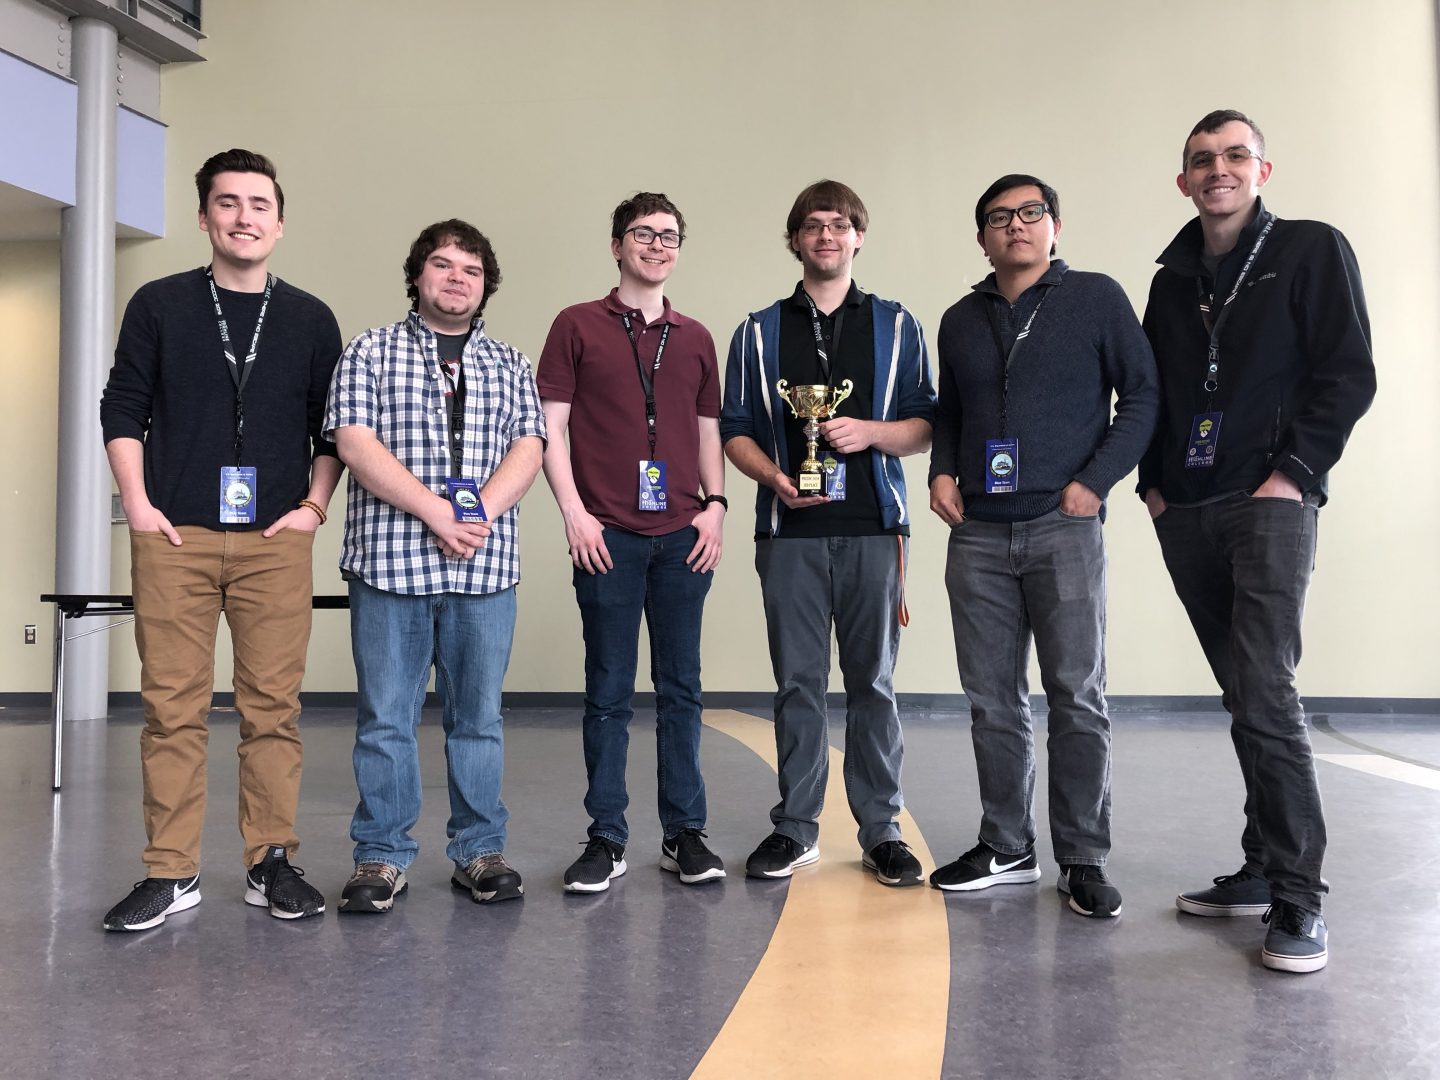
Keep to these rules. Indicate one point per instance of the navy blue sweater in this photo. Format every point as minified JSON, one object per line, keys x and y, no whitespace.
{"x":1084,"y":346}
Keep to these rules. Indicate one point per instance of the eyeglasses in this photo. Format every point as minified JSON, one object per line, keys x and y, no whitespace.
{"x":1233,"y":155}
{"x":1030,"y":213}
{"x":838,"y":227}
{"x":644,"y":235}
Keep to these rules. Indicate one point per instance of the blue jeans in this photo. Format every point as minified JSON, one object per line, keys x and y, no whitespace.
{"x":1241,"y":566}
{"x":809,"y":584}
{"x":1009,"y":584}
{"x":650,"y":577}
{"x":396,"y":639}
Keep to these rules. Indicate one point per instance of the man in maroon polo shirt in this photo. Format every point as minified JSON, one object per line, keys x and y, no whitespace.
{"x":640,"y":483}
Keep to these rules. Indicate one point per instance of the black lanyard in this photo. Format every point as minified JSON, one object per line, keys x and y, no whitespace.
{"x":647,"y":378}
{"x":821,"y":356}
{"x":1213,"y":322}
{"x":1008,"y":358}
{"x":239,"y":371}
{"x":457,"y":407}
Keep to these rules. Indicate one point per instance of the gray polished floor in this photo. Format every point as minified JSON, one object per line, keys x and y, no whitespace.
{"x":636,"y":982}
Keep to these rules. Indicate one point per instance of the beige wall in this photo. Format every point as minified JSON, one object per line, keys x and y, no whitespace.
{"x":533,"y":120}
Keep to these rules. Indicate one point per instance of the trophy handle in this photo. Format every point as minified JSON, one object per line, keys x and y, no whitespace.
{"x":841,"y":395}
{"x":785,"y":397}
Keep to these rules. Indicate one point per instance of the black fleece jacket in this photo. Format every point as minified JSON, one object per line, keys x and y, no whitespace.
{"x":1296,"y":370}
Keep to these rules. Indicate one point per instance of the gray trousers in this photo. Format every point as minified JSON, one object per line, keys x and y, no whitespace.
{"x":1008,"y":583}
{"x":808,"y":584}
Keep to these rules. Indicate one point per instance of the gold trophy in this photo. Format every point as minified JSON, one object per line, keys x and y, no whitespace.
{"x":813,"y":402}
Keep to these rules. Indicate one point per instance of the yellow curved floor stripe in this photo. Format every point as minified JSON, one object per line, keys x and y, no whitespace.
{"x":856,"y":979}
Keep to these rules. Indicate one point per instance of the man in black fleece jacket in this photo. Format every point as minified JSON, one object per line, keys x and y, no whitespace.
{"x":1025,"y":452}
{"x":1263,"y":345}
{"x":212,"y":420}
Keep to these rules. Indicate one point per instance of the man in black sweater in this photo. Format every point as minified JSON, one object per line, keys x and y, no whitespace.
{"x":1024,"y":454}
{"x":1263,"y":346}
{"x":212,"y":419}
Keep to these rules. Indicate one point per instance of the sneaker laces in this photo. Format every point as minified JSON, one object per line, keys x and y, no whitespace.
{"x":375,"y":869}
{"x":477,"y":866}
{"x":1225,"y":880}
{"x":1286,"y":917}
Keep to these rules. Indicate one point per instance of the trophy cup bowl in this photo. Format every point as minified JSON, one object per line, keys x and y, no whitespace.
{"x":812,"y":402}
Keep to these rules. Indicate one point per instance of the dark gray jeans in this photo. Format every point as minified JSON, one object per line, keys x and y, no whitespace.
{"x":854,"y":583}
{"x":1241,"y":566}
{"x":1008,"y":583}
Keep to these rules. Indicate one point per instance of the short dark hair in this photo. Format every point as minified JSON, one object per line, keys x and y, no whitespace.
{"x":464,"y":236}
{"x":1214,"y":121}
{"x":643,"y":204}
{"x":825,"y":195}
{"x":1014,"y":180}
{"x":237,"y":160}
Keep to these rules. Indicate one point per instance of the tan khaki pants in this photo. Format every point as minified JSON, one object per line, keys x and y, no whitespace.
{"x":264,"y":588}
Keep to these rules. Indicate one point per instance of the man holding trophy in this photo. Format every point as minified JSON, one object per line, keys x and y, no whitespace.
{"x":832,"y":363}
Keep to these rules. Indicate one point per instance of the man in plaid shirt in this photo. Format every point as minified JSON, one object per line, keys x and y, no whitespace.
{"x":441,"y":428}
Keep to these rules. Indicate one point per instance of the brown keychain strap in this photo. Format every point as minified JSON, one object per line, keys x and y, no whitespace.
{"x":902,"y":611}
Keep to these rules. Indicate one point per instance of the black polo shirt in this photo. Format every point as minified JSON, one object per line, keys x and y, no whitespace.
{"x":853,"y":359}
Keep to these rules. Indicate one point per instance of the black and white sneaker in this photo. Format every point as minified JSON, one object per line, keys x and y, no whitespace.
{"x":893,"y":863}
{"x":686,"y":854}
{"x":1229,"y":895}
{"x":982,"y":866}
{"x":372,"y":888}
{"x":1297,"y":939}
{"x":489,"y":878}
{"x":151,"y":901}
{"x":274,"y":883}
{"x":779,"y":856}
{"x":1090,"y":891}
{"x":598,"y":864}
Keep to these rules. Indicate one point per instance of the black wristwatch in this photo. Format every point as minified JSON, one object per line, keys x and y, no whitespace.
{"x":708,"y":499}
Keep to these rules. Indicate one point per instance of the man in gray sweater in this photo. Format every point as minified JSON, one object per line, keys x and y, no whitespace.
{"x":1024,"y":453}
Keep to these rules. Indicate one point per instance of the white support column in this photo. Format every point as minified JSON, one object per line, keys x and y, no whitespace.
{"x":87,"y":329}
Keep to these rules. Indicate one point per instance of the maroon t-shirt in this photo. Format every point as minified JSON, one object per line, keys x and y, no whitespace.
{"x":588,"y":362}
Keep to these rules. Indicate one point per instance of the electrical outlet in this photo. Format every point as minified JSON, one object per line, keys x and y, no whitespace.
{"x":29,"y":633}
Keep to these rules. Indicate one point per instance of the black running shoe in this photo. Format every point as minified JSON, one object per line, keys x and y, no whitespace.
{"x":489,"y":878}
{"x":372,"y":888}
{"x":983,"y":866}
{"x":893,"y":863}
{"x":779,"y":856}
{"x":686,"y":854}
{"x":151,"y":900}
{"x":597,"y":865}
{"x":274,"y":883}
{"x":1089,"y":890}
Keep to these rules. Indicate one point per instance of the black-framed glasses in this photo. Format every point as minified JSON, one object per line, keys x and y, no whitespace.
{"x":1030,"y":213}
{"x":838,"y":227}
{"x":645,"y":235}
{"x":1233,"y":155}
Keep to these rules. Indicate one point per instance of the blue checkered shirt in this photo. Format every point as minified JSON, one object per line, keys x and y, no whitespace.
{"x":389,"y":380}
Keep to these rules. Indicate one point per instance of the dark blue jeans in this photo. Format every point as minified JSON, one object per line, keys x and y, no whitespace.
{"x":1241,"y":566}
{"x":649,"y":577}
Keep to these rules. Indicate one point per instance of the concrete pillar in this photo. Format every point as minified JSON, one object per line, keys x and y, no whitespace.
{"x":87,"y":344}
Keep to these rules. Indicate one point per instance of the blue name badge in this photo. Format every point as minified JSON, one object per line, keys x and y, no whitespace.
{"x":652,"y":486}
{"x":237,"y":495}
{"x":834,"y":466}
{"x":1002,"y":466}
{"x":465,"y":499}
{"x":1204,"y":436}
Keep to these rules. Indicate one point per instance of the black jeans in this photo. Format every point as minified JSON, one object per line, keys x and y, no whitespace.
{"x":1241,"y":567}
